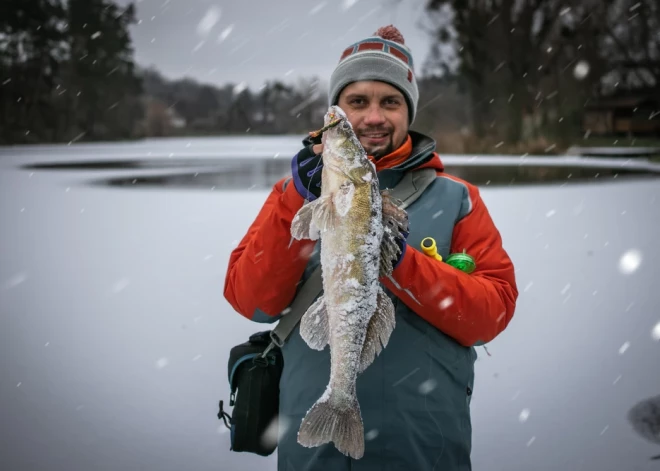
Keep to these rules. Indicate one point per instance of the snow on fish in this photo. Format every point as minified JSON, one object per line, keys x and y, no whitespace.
{"x":357,"y":225}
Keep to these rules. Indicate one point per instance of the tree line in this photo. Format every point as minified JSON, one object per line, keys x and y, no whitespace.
{"x":501,"y":72}
{"x":529,"y":67}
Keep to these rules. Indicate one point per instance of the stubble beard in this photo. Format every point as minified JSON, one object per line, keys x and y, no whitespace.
{"x":380,"y":151}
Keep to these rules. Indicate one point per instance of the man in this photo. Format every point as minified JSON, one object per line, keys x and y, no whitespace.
{"x":415,"y":397}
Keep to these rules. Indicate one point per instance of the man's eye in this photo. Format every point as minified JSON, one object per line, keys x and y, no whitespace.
{"x":357,"y":101}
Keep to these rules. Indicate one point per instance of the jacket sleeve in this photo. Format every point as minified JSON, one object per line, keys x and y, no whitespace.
{"x":471,"y":308}
{"x":265,"y":268}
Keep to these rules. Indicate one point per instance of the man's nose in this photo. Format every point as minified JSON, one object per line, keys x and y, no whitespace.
{"x":374,"y":116}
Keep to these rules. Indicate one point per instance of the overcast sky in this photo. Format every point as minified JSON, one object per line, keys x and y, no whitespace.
{"x":221,"y":41}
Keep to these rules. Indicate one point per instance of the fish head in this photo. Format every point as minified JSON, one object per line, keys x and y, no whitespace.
{"x":342,"y":149}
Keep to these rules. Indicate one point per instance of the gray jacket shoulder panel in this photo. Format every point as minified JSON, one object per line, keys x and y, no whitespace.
{"x":466,"y":200}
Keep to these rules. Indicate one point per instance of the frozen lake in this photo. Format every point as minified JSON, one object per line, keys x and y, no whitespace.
{"x":115,"y":334}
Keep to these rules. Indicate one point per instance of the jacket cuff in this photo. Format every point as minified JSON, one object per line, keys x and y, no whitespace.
{"x":290,"y":196}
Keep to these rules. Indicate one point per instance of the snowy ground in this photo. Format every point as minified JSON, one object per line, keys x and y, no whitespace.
{"x":114,"y":333}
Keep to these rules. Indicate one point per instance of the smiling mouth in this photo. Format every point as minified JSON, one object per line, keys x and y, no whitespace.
{"x":377,"y":135}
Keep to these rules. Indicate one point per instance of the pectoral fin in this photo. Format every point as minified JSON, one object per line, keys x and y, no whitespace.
{"x":379,"y":330}
{"x":313,"y":219}
{"x":314,"y":326}
{"x":395,"y":223}
{"x":302,"y":225}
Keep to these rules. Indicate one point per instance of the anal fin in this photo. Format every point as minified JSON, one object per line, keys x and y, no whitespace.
{"x":314,"y":325}
{"x":381,"y":326}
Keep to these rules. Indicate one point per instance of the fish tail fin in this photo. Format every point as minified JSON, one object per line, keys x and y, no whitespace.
{"x":327,"y":422}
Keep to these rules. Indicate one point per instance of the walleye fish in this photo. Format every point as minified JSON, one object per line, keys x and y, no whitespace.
{"x":357,"y":226}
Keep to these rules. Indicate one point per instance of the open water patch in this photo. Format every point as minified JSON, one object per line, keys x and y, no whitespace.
{"x":261,"y":173}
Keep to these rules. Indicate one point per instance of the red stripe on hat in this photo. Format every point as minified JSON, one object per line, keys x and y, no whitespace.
{"x":395,"y":52}
{"x":410,"y":75}
{"x":347,"y":52}
{"x":370,"y":47}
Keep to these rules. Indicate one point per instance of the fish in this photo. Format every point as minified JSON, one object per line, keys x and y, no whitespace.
{"x":357,"y":225}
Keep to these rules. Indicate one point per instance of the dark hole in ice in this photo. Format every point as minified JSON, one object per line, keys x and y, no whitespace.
{"x":261,"y":173}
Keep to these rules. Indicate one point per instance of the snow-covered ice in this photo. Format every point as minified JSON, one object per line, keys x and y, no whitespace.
{"x":59,"y":268}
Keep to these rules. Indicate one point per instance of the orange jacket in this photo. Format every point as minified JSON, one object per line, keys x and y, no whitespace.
{"x":266,"y":267}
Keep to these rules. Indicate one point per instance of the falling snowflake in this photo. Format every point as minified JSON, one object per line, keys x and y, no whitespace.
{"x":445,"y":303}
{"x":581,"y":70}
{"x":209,"y":20}
{"x":550,"y":213}
{"x":279,"y":424}
{"x":624,"y":347}
{"x":524,"y":415}
{"x":96,"y":35}
{"x":162,"y":363}
{"x":120,"y":285}
{"x":240,"y":88}
{"x":371,"y":434}
{"x":346,"y":4}
{"x":15,"y":280}
{"x":655,"y":332}
{"x":531,"y":440}
{"x":317,"y":8}
{"x":224,"y":34}
{"x":630,"y":261}
{"x":427,"y":386}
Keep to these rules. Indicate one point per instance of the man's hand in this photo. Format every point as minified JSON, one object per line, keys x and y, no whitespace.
{"x":306,"y":169}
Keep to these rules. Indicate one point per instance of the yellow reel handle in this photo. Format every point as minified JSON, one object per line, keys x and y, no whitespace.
{"x":429,"y":248}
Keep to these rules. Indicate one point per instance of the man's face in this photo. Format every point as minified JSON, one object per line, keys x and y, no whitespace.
{"x":378,"y":113}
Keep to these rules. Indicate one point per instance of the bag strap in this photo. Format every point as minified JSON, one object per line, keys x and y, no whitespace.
{"x":411,"y":187}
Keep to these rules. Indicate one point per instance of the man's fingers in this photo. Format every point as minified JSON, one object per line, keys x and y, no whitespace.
{"x":317,"y":148}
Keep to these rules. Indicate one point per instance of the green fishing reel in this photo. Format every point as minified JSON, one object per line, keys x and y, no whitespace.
{"x":462,"y":261}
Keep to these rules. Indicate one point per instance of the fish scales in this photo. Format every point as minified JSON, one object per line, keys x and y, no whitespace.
{"x":354,"y":316}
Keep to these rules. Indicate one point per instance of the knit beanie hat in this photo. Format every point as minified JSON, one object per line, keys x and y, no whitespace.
{"x":383,"y":57}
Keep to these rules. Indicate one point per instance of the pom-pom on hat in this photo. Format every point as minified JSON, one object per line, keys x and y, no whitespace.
{"x":383,"y":57}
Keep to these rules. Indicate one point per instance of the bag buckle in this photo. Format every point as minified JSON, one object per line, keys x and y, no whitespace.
{"x":275,"y":339}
